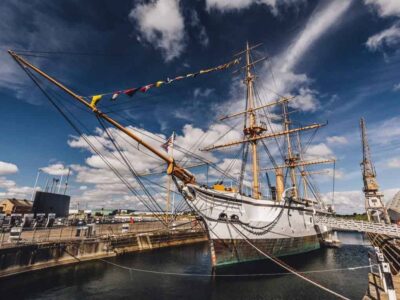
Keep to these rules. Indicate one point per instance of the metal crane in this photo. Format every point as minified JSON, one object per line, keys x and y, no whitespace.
{"x":376,"y":210}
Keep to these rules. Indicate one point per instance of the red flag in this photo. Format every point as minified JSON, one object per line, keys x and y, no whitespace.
{"x":131,"y":92}
{"x":145,"y":88}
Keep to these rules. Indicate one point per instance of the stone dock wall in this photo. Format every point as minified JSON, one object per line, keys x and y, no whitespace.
{"x":19,"y":258}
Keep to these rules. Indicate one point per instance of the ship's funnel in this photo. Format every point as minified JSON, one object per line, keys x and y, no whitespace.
{"x":279,"y":183}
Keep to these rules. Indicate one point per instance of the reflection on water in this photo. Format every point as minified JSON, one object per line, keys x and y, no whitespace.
{"x":99,"y":280}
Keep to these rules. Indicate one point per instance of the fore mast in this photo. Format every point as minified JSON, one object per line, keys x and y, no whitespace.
{"x":251,"y":129}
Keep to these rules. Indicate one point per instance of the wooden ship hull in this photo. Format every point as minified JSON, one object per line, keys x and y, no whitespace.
{"x":234,"y":220}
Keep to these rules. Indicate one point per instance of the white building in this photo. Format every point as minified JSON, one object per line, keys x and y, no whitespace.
{"x":394,"y":208}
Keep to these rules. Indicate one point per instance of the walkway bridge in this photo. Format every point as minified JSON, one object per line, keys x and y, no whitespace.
{"x":335,"y":223}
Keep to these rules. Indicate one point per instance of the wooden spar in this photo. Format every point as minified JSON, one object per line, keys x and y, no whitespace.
{"x":302,"y":163}
{"x":174,"y":169}
{"x":291,"y":159}
{"x":280,"y":101}
{"x":264,"y":136}
{"x":252,"y":131}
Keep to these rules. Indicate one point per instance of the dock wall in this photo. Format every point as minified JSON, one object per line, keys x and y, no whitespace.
{"x":16,"y":259}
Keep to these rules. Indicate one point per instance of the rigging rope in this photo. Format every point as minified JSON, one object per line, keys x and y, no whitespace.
{"x":232,"y":275}
{"x":287,"y":267}
{"x":58,"y":108}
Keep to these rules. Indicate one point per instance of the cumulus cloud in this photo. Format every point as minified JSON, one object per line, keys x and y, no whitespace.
{"x":10,"y":189}
{"x":57,"y":169}
{"x":341,"y":140}
{"x":161,"y":24}
{"x":318,"y":151}
{"x":385,"y":8}
{"x":349,"y":202}
{"x":7,"y":168}
{"x":99,"y":185}
{"x":387,"y":38}
{"x":396,"y":87}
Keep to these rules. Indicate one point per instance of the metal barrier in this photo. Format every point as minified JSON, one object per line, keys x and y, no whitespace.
{"x":376,"y":258}
{"x":361,"y":226}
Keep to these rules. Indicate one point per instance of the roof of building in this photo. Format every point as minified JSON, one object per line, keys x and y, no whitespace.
{"x":19,"y":202}
{"x":395,"y":203}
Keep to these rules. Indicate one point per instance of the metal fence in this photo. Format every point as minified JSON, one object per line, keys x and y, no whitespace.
{"x":63,"y":233}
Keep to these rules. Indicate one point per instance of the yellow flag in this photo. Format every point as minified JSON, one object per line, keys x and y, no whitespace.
{"x":95,"y":99}
{"x":159,"y":83}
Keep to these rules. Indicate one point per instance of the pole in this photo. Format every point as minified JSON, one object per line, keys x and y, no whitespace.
{"x":66,"y":181}
{"x":36,"y":181}
{"x":59,"y":186}
{"x":251,"y":130}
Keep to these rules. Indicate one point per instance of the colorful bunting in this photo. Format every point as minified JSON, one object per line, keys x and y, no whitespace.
{"x":95,"y":99}
{"x":145,"y":88}
{"x":130,"y":92}
{"x":159,"y":83}
{"x":115,"y":96}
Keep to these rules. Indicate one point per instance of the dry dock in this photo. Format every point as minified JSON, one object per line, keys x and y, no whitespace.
{"x":62,"y":247}
{"x":389,"y":248}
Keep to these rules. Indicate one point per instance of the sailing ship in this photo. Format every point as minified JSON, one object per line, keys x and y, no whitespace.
{"x":280,"y":221}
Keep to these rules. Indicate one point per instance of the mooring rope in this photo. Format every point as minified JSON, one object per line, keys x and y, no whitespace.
{"x":288,"y":268}
{"x":231,"y":275}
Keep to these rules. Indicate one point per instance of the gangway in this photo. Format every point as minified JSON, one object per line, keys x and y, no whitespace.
{"x":336,"y":223}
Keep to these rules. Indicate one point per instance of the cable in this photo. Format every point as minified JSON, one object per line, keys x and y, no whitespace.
{"x":231,"y":275}
{"x":287,"y":267}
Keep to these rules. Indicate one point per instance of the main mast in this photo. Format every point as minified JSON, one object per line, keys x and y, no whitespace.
{"x":251,"y":130}
{"x":291,"y":159}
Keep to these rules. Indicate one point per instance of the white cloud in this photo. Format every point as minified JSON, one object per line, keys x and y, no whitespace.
{"x":318,"y":24}
{"x":161,"y":24}
{"x":57,"y":169}
{"x":286,"y":81}
{"x":341,"y":140}
{"x":394,"y":163}
{"x":385,"y":8}
{"x":7,"y":168}
{"x":385,"y":132}
{"x":396,"y":87}
{"x":6,"y":183}
{"x":199,"y":92}
{"x":201,"y":35}
{"x":320,"y":150}
{"x":349,"y":202}
{"x":229,"y":5}
{"x":9,"y":189}
{"x":389,"y":37}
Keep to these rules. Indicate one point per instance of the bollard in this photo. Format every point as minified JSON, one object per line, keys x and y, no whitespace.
{"x":388,"y":281}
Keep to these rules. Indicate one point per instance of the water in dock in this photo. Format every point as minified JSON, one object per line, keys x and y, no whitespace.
{"x":99,"y":280}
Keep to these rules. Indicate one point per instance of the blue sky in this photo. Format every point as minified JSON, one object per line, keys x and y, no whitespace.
{"x":341,"y":60}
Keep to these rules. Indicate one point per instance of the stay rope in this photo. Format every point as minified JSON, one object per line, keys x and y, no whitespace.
{"x":287,"y":267}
